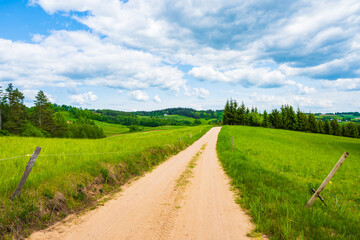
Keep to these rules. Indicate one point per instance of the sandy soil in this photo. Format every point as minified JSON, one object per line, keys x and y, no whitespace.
{"x":156,"y":207}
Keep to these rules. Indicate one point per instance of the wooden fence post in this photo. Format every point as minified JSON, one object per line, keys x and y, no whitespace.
{"x":27,"y":172}
{"x":327,"y":179}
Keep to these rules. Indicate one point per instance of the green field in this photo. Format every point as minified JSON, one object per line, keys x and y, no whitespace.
{"x":71,"y":173}
{"x":274,"y":171}
{"x":180,"y":118}
{"x":111,"y":129}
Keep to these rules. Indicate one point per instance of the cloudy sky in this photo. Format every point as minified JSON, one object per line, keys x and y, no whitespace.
{"x":154,"y":54}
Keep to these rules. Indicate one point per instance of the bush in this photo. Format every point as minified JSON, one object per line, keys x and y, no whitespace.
{"x":4,"y":132}
{"x":29,"y":130}
{"x":134,"y":128}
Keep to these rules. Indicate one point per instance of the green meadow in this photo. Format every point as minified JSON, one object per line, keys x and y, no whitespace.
{"x":71,"y":174}
{"x":274,"y":171}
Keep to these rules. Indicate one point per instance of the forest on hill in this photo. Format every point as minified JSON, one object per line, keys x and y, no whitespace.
{"x":45,"y":119}
{"x":287,"y":118}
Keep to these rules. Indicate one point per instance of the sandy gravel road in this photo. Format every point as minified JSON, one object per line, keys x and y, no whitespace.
{"x":174,"y":201}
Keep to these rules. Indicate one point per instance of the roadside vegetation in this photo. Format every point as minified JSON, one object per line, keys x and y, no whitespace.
{"x":71,"y":174}
{"x":275,"y":170}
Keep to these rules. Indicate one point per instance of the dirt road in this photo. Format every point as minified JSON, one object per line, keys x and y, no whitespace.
{"x":186,"y":197}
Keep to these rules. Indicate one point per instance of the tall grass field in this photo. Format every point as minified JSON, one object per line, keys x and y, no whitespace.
{"x":274,"y":171}
{"x":71,"y":174}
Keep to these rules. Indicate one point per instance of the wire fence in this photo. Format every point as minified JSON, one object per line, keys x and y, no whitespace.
{"x":65,"y":154}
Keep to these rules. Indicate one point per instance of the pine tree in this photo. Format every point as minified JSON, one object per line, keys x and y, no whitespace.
{"x":288,"y":116}
{"x":17,"y":112}
{"x":351,"y":130}
{"x":225,"y":119}
{"x":302,"y":121}
{"x":320,"y":126}
{"x":327,"y":127}
{"x":335,"y":127}
{"x":343,"y":131}
{"x":313,"y":127}
{"x":43,"y":114}
{"x":247,"y":116}
{"x":241,"y":114}
{"x":265,"y":121}
{"x":276,"y":119}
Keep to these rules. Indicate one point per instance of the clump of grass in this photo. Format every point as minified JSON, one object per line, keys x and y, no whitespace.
{"x":70,"y":174}
{"x":274,"y":169}
{"x":183,"y":180}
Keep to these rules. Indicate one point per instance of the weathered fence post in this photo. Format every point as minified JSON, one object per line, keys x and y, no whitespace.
{"x":26,"y":172}
{"x":327,"y":179}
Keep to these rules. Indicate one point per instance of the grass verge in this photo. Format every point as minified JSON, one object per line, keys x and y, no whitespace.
{"x":274,"y":170}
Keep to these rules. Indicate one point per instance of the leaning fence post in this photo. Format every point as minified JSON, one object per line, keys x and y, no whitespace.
{"x":327,"y":179}
{"x":26,"y":172}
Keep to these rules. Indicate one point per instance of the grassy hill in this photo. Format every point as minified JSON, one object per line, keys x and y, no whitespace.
{"x":274,"y":171}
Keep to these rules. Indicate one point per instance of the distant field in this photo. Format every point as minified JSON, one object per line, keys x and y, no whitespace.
{"x":71,"y":173}
{"x":112,"y":129}
{"x":180,"y":118}
{"x":274,"y":171}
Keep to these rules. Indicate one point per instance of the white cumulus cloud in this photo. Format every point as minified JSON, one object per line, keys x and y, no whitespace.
{"x":157,"y":99}
{"x":139,"y":95}
{"x":83,"y":98}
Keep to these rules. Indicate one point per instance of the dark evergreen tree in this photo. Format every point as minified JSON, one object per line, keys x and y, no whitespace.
{"x":226,"y":113}
{"x":343,"y":130}
{"x":265,"y":121}
{"x":276,"y":119}
{"x":61,"y":126}
{"x":17,"y":112}
{"x":351,"y":130}
{"x":302,"y":121}
{"x":288,"y":116}
{"x":43,"y":113}
{"x":313,"y":126}
{"x":247,"y":117}
{"x":327,"y":127}
{"x":241,"y":114}
{"x":335,"y":127}
{"x":320,"y":126}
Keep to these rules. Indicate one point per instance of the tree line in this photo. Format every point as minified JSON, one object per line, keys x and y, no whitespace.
{"x":41,"y":120}
{"x":286,"y":118}
{"x":143,"y":118}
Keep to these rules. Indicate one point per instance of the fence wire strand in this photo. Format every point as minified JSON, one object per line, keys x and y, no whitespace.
{"x":27,"y":155}
{"x":65,"y":154}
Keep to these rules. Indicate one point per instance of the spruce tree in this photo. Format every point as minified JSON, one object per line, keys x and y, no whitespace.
{"x":241,"y":114}
{"x":320,"y":126}
{"x":335,"y":127}
{"x":225,"y":118}
{"x":43,"y":114}
{"x":16,"y":110}
{"x":276,"y":119}
{"x":313,"y":127}
{"x":302,"y":121}
{"x":327,"y":127}
{"x":288,"y":116}
{"x":265,"y":121}
{"x":351,"y":130}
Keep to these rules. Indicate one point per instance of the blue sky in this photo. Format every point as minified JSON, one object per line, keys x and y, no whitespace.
{"x":145,"y":55}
